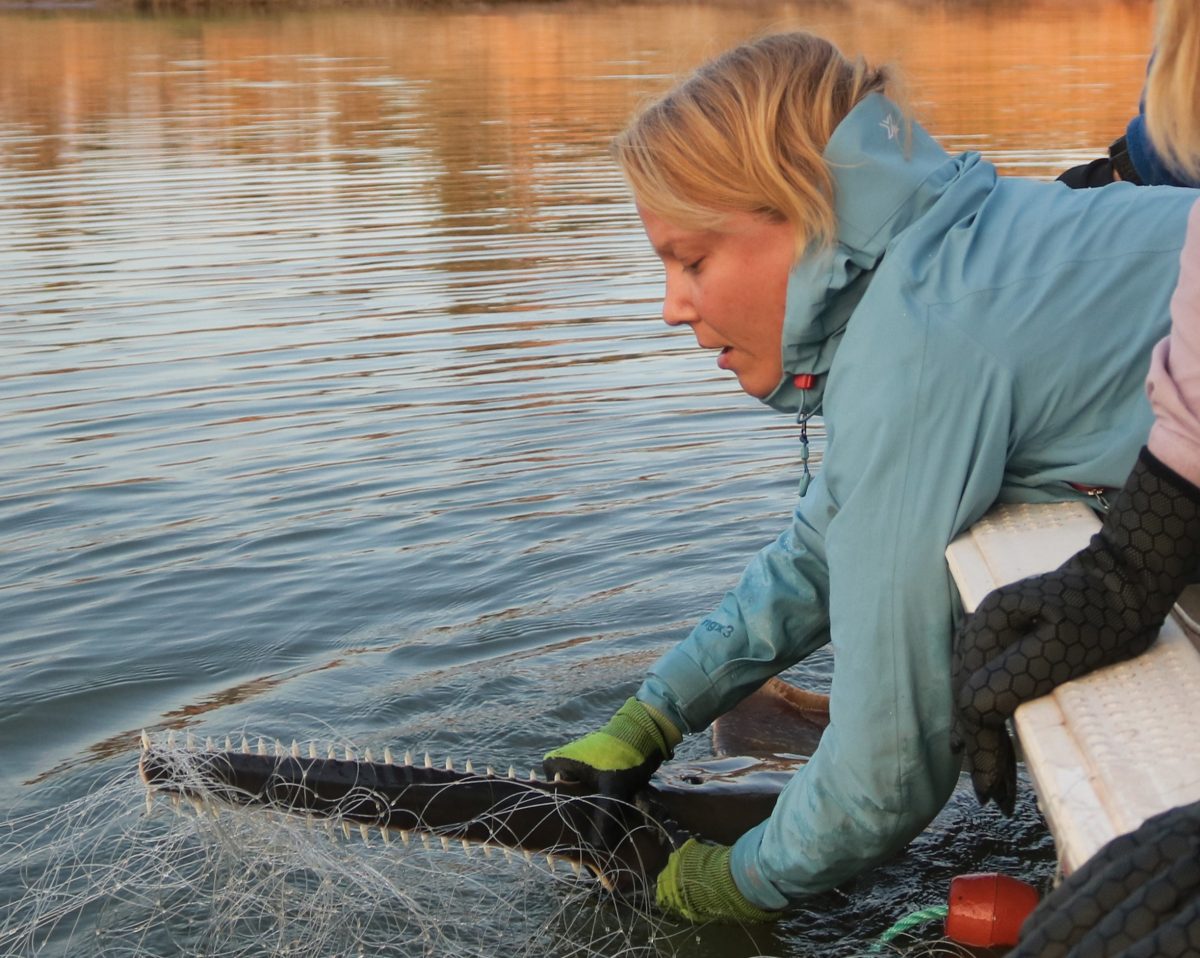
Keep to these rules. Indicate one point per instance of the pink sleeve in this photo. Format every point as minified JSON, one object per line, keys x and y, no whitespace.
{"x":1174,"y":381}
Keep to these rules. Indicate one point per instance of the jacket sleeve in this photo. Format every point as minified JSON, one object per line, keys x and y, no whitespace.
{"x":902,"y":483}
{"x":1174,"y":381}
{"x":775,"y":616}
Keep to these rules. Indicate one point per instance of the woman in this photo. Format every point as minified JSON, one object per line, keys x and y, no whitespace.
{"x":1140,"y":894}
{"x":1174,"y":118}
{"x":966,"y":338}
{"x":1108,"y":602}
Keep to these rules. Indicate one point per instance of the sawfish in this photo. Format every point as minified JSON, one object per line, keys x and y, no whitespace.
{"x":623,"y":843}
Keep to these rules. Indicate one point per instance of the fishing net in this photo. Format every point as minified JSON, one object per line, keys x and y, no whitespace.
{"x":120,"y":871}
{"x":105,"y":871}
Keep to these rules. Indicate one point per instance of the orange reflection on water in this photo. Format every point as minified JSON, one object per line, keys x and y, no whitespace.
{"x":501,"y":90}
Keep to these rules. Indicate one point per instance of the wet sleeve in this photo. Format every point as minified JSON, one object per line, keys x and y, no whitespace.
{"x":1173,"y":384}
{"x":905,"y":484}
{"x":775,"y":616}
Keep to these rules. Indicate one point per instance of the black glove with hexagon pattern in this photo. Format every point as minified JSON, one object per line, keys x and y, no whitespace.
{"x":1103,"y":605}
{"x":1138,"y":897}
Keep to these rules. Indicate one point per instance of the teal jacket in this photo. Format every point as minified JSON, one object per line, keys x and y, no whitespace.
{"x":975,"y":339}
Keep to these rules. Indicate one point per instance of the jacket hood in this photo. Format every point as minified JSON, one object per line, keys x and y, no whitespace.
{"x":886,"y":172}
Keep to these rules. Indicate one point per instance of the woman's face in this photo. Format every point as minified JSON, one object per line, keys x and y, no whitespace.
{"x":730,"y":287}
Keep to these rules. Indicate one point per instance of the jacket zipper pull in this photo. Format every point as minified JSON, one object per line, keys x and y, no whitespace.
{"x":805,"y":476}
{"x":1098,"y":493}
{"x":804,"y":382}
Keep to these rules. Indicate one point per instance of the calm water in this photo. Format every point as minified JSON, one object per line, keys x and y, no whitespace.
{"x":333,"y":402}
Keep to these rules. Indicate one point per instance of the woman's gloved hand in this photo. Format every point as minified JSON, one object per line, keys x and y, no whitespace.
{"x":697,"y":884}
{"x":620,"y":757}
{"x":1138,"y":897}
{"x":1103,"y":605}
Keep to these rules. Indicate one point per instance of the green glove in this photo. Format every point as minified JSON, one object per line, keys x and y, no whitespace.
{"x":698,"y":885}
{"x":619,"y":758}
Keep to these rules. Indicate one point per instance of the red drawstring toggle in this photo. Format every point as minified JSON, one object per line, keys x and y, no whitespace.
{"x":804,"y":381}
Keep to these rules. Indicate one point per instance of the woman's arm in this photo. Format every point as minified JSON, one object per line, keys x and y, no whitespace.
{"x":775,"y":616}
{"x":908,"y":470}
{"x":1174,"y":381}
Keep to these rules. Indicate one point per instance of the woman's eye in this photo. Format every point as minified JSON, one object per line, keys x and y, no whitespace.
{"x":693,"y":266}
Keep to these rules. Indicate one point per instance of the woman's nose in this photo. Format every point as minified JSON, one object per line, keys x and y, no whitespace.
{"x":677,"y":307}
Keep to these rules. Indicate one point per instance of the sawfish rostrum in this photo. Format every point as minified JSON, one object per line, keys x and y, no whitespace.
{"x":621,"y":843}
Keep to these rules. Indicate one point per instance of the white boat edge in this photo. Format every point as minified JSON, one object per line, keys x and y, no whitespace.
{"x":1107,"y":751}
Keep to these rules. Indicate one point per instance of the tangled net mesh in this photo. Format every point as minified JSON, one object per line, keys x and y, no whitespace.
{"x":114,"y":872}
{"x":108,"y":871}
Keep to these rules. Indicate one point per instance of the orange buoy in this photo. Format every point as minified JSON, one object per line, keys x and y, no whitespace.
{"x":987,"y":909}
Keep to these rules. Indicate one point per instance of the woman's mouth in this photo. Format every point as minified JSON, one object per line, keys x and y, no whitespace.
{"x":723,"y":358}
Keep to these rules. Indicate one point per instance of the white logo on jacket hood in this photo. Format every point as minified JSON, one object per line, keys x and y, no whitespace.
{"x":892,"y":126}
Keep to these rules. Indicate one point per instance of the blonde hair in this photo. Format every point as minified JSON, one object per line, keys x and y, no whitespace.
{"x":746,"y":133}
{"x":1172,"y":110}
